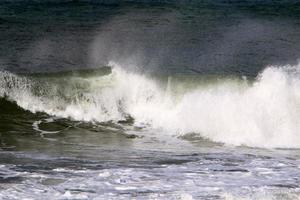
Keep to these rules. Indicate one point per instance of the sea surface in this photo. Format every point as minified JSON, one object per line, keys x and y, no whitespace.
{"x":149,"y":99}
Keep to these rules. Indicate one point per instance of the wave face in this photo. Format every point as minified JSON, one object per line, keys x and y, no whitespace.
{"x":261,"y":113}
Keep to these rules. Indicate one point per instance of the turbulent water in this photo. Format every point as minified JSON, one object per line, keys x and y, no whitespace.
{"x":149,"y":100}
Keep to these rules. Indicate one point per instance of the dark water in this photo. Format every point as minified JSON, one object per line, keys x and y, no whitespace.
{"x":149,"y":99}
{"x":240,"y":37}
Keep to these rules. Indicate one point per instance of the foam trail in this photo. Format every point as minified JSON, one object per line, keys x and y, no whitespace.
{"x":263,"y":113}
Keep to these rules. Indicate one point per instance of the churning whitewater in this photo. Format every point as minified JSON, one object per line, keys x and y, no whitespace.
{"x":264,"y":112}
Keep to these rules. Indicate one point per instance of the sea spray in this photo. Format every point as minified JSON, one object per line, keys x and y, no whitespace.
{"x":262,"y":113}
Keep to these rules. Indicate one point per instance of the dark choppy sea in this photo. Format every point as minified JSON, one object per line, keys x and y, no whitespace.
{"x":147,"y":99}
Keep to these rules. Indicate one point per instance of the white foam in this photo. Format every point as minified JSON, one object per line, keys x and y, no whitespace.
{"x":263,"y":114}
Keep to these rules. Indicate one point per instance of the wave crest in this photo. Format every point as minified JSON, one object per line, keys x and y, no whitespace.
{"x":262,"y":113}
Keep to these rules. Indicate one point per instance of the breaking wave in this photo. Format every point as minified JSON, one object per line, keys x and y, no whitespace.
{"x":264,"y":112}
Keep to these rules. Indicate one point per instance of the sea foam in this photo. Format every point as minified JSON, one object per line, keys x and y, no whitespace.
{"x":261,"y":113}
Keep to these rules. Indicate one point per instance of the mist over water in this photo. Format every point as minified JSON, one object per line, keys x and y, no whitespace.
{"x":149,"y":99}
{"x":170,"y":37}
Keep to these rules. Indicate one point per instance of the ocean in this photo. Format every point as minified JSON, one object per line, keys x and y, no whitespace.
{"x":140,"y":99}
